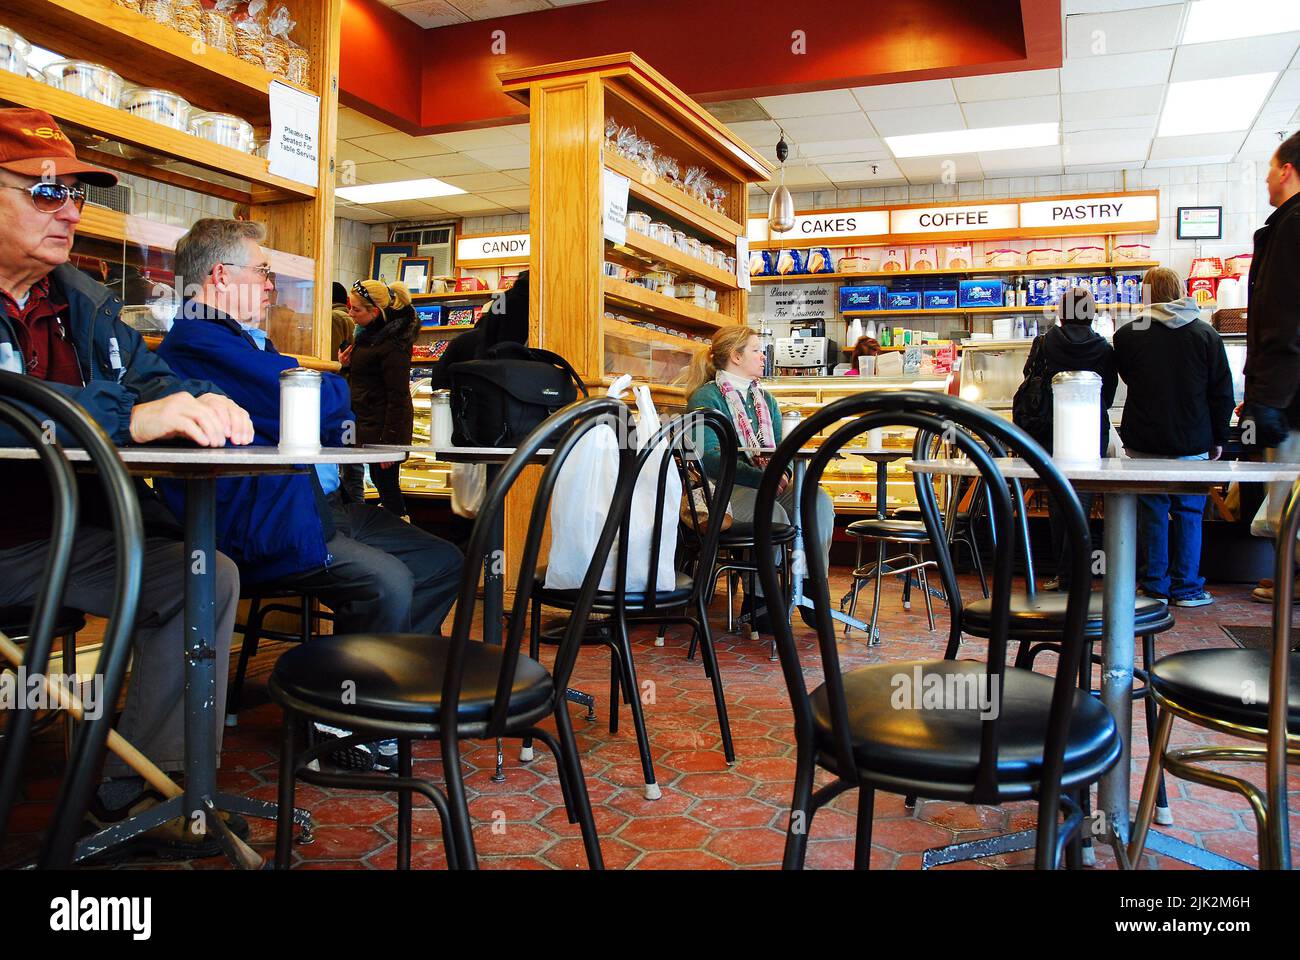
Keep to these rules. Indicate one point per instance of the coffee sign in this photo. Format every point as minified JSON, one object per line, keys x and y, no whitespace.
{"x":974,"y":218}
{"x":503,"y":248}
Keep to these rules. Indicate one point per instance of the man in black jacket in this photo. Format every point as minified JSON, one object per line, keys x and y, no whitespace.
{"x":1270,"y":417}
{"x":1179,"y":405}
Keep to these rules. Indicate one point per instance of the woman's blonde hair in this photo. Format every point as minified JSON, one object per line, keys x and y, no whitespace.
{"x":726,"y":343}
{"x":1165,"y":284}
{"x":382,"y":297}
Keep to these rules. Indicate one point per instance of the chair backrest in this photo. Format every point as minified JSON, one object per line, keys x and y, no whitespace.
{"x":560,"y":432}
{"x":676,"y":449}
{"x":27,"y":404}
{"x":1279,"y":680}
{"x":980,"y":435}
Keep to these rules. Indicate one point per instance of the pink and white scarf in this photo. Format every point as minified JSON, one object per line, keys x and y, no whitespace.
{"x":766,"y":436}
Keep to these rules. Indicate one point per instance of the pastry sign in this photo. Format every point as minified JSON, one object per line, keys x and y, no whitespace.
{"x":513,"y":247}
{"x":1089,"y":211}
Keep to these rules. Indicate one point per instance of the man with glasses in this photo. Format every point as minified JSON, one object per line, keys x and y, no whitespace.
{"x":375,"y":571}
{"x":61,"y":326}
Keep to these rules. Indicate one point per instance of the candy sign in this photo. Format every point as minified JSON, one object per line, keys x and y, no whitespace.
{"x":507,"y":248}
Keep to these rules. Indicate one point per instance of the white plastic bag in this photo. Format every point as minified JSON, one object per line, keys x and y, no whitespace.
{"x":468,"y":487}
{"x":580,"y":504}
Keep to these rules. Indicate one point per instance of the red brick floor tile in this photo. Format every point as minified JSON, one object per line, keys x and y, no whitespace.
{"x":738,"y":812}
{"x":681,"y":860}
{"x":754,"y":847}
{"x":500,"y":838}
{"x":962,"y":816}
{"x":713,"y":785}
{"x":358,"y":810}
{"x":633,"y":802}
{"x":1235,"y":845}
{"x":695,"y":761}
{"x":665,"y":833}
{"x":343,"y":843}
{"x":425,"y":855}
{"x":569,"y":854}
{"x":607,"y":819}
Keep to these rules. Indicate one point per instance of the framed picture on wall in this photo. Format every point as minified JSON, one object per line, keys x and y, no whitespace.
{"x":1200,"y":223}
{"x":385,"y":258}
{"x":414,"y":272}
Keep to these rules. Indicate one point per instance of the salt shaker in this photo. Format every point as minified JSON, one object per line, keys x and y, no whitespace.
{"x":789,"y":420}
{"x":1076,"y":417}
{"x":440,"y":425}
{"x":300,"y":410}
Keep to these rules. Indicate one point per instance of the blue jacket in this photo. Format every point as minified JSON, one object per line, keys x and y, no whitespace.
{"x":117,"y":368}
{"x":270,"y":525}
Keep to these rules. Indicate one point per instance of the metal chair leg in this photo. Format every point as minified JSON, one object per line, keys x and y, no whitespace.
{"x":925,"y":588}
{"x":404,"y":805}
{"x":252,"y":633}
{"x":288,"y":773}
{"x":1164,"y":816}
{"x":801,"y":811}
{"x":715,"y":677}
{"x":534,"y":651}
{"x":652,"y":791}
{"x":1147,"y":805}
{"x":862,"y":837}
{"x":873,"y":638}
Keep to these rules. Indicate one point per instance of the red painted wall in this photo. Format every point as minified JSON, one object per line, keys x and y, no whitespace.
{"x":717,"y":50}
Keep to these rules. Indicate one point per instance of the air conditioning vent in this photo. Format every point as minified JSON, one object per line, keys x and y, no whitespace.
{"x":438,"y":242}
{"x":115,"y":198}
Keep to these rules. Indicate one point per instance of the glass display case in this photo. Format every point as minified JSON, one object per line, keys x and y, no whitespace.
{"x":992,"y":370}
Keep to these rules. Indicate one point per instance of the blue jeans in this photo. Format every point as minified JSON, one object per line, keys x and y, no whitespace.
{"x":1169,"y":543}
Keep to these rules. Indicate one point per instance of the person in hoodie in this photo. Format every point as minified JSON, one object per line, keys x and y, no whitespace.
{"x":1179,"y":405}
{"x":380,"y":365}
{"x":1070,"y":345}
{"x":377,"y":573}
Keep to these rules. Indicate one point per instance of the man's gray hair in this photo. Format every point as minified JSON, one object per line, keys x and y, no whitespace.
{"x":212,"y":241}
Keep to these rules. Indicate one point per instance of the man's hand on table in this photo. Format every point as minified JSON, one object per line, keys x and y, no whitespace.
{"x":209,"y":420}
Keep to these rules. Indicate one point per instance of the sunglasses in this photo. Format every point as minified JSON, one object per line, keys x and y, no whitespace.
{"x":261,"y":268}
{"x":51,"y":197}
{"x":360,"y":291}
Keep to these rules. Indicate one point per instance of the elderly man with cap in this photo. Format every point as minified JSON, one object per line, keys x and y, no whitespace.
{"x":63,"y":327}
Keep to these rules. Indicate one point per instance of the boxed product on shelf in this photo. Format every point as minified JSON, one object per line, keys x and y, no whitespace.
{"x":902,"y":300}
{"x":1238,"y":266}
{"x":1003,"y":257}
{"x":761,"y":264}
{"x":958,"y":256}
{"x":1103,"y":289}
{"x":939,"y":299}
{"x":818,"y":260}
{"x":893,"y":259}
{"x":1039,"y":291}
{"x":1202,"y":289}
{"x":469,"y":285}
{"x":1086,"y":254}
{"x":980,"y":293}
{"x":862,"y":298}
{"x":1040,"y":256}
{"x":788,"y":262}
{"x":430,"y":315}
{"x":924,"y":258}
{"x":461,"y":316}
{"x":1131,"y":251}
{"x":1128,"y":288}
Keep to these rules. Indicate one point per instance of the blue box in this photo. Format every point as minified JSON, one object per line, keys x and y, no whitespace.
{"x":939,"y":299}
{"x":1128,"y":288}
{"x":1103,"y":289}
{"x":1039,"y":293}
{"x":862,"y":298}
{"x":903,"y":300}
{"x":980,"y":293}
{"x":430,"y":314}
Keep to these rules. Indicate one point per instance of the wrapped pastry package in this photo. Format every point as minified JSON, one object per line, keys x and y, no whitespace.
{"x":250,"y":34}
{"x":281,"y":55}
{"x":819,"y":261}
{"x":219,"y":26}
{"x":189,"y":18}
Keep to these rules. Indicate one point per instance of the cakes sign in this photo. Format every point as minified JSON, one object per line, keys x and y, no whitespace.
{"x":826,"y":226}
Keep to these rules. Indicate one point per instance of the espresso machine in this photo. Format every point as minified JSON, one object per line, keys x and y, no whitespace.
{"x":807,"y":352}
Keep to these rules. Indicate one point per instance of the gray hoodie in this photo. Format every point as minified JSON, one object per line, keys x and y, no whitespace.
{"x":1175,"y":314}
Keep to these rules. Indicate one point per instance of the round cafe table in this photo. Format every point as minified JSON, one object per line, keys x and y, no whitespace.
{"x":1120,"y":481}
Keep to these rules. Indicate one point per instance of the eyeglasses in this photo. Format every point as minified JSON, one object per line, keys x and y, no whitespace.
{"x":359,"y":289}
{"x":50,"y":196}
{"x":262,"y":268}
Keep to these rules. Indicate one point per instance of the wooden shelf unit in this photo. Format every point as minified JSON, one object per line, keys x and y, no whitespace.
{"x":453,"y":295}
{"x":977,"y":271}
{"x":640,"y":251}
{"x":620,"y":293}
{"x":976,"y":311}
{"x":299,"y":218}
{"x":675,"y":202}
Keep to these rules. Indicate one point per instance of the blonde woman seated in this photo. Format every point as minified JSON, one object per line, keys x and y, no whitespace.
{"x":725,"y":376}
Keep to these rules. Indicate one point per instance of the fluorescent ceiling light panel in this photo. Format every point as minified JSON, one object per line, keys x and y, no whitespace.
{"x":397,"y":190}
{"x":982,"y":140}
{"x":1230,"y":19}
{"x":1214,"y":106}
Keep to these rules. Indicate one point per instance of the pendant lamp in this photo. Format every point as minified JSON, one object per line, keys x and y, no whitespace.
{"x":780,"y":210}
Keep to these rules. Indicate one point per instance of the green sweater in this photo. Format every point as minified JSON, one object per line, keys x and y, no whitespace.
{"x":709,"y":396}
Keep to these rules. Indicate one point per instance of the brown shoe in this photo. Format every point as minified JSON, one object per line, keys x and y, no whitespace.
{"x":1264,"y":594}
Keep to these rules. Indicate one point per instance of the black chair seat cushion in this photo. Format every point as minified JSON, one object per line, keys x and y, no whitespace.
{"x":1046,"y":613}
{"x":398,"y":676}
{"x":735,"y":540}
{"x":16,"y":622}
{"x":889,"y":529}
{"x":894,"y":736}
{"x":604,"y":601}
{"x":1219,"y":684}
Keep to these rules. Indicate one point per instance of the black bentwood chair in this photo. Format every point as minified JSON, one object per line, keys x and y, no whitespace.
{"x":1043,"y":738}
{"x":674,"y":447}
{"x":1251,"y":694}
{"x":417,"y":687}
{"x":19,"y":397}
{"x":255,"y":630}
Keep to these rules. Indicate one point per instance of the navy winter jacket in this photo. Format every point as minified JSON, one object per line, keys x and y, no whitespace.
{"x":269,"y":525}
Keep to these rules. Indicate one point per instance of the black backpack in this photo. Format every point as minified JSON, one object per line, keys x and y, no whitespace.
{"x":497,"y":400}
{"x":1031,"y":408}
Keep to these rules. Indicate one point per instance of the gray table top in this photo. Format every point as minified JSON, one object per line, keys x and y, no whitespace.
{"x":206,"y":461}
{"x":1119,"y":472}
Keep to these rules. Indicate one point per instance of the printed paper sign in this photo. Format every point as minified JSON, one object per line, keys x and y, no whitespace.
{"x":742,"y":262}
{"x":295,"y":134}
{"x":615,"y":189}
{"x":801,"y":301}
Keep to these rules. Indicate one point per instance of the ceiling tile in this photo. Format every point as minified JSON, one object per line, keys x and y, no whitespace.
{"x":519,"y":176}
{"x":756,"y":133}
{"x":487,"y":9}
{"x":1259,"y":146}
{"x":1105,"y":131}
{"x":347,"y":152}
{"x":858,"y":173}
{"x":1230,"y":58}
{"x":921,"y":93}
{"x":353,"y":123}
{"x":520,"y":131}
{"x":400,"y":146}
{"x":1005,"y":113}
{"x":1108,"y":6}
{"x":802,"y":176}
{"x":463,"y":140}
{"x":1288,"y":87}
{"x":1040,"y":160}
{"x":1190,"y":161}
{"x":502,"y":158}
{"x":963,"y":166}
{"x":359,"y":214}
{"x":1113,"y":72}
{"x":835,"y":126}
{"x":447,"y":165}
{"x":517,"y":199}
{"x":1197,"y":145}
{"x":1128,"y":31}
{"x":468,"y":204}
{"x":736,"y":111}
{"x":1104,"y":104}
{"x":808,"y":104}
{"x":933,"y":119}
{"x":481,"y":182}
{"x":864,"y":148}
{"x":1109,"y":150}
{"x":430,"y":13}
{"x":1005,"y":86}
{"x":404,"y":208}
{"x":385,"y":171}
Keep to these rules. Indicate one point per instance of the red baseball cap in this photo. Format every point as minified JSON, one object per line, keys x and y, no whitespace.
{"x":32,"y":145}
